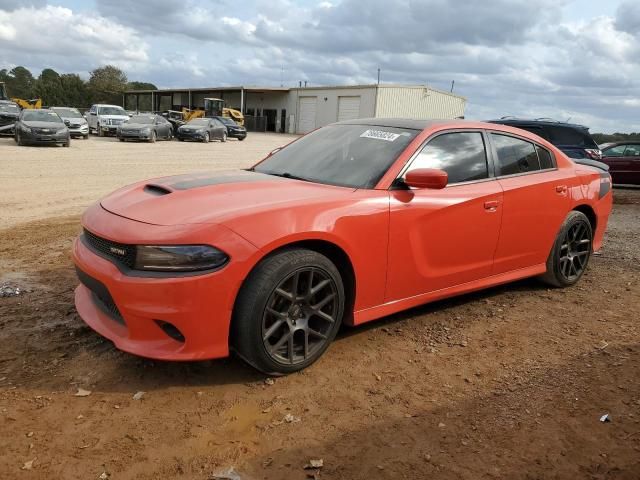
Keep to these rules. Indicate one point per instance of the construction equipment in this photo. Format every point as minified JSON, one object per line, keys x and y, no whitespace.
{"x":189,"y":114}
{"x":214,"y":107}
{"x":28,"y":104}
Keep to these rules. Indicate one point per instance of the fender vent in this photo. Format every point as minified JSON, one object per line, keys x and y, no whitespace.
{"x":154,"y":189}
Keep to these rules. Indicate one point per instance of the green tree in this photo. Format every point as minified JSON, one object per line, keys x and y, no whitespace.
{"x":75,"y":91}
{"x":107,"y":84}
{"x":141,"y":86}
{"x":20,"y":83}
{"x":49,"y":88}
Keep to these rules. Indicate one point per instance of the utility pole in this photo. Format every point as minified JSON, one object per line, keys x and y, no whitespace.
{"x":453,"y":82}
{"x":378,"y":75}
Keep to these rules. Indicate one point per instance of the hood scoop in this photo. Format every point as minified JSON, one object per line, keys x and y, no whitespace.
{"x":155,"y":189}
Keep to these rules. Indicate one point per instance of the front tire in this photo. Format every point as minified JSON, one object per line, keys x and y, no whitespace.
{"x":288,"y":311}
{"x":571,"y":251}
{"x":206,"y":138}
{"x":99,"y":130}
{"x":224,"y":137}
{"x":154,"y":137}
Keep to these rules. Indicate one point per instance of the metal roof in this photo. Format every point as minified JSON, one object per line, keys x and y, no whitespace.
{"x":249,"y":88}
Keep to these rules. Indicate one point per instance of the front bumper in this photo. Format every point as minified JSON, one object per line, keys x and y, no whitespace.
{"x":82,"y":130}
{"x":198,"y":306}
{"x":41,"y":138}
{"x":133,"y":135}
{"x":199,"y":136}
{"x":237,"y":134}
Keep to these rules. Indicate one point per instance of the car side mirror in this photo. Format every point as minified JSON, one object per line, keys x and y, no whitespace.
{"x":427,"y":178}
{"x":67,"y":122}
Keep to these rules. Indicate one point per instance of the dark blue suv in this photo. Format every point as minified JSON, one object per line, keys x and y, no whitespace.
{"x":574,"y":140}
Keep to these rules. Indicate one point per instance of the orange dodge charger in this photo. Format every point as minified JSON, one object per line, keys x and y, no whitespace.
{"x":352,"y":222}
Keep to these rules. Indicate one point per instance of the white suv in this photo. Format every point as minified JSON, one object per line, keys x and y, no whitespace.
{"x":105,"y":119}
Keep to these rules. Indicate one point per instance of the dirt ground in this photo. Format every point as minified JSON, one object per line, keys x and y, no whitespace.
{"x":506,"y":383}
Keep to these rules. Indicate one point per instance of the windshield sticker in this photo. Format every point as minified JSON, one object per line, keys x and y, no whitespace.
{"x":380,"y":135}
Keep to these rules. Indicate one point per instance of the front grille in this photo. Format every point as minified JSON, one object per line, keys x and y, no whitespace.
{"x":101,"y":296}
{"x":45,"y":131}
{"x":120,"y":252}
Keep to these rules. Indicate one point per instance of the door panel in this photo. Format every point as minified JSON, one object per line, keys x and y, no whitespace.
{"x":534,"y":207}
{"x":442,"y":238}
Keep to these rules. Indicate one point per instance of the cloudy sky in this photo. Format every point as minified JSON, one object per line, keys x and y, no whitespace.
{"x":563,"y":59}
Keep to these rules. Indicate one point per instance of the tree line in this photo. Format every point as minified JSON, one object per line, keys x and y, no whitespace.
{"x":105,"y":85}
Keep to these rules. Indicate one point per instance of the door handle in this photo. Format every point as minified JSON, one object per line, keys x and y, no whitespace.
{"x":491,"y":205}
{"x":561,"y":189}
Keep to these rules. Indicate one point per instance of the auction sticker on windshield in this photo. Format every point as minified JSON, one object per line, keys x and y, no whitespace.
{"x":380,"y":135}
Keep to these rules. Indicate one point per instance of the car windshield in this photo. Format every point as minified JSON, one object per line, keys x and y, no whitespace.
{"x":67,"y":112}
{"x":226,"y":121}
{"x":9,"y":108}
{"x":144,"y":119}
{"x":345,"y":155}
{"x":112,"y":111}
{"x":199,"y":122}
{"x":40,"y":116}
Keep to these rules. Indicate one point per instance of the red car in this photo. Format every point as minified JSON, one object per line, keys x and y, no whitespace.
{"x":352,"y":222}
{"x":624,"y":162}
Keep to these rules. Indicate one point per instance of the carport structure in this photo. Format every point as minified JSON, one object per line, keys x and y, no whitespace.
{"x":264,"y":108}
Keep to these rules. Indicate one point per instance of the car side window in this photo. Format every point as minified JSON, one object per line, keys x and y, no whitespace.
{"x":545,"y":158}
{"x":632,"y":151}
{"x":514,"y":155}
{"x":617,"y":151}
{"x":461,"y":154}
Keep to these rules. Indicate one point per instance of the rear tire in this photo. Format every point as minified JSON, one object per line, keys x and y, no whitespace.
{"x":288,"y":311}
{"x":571,"y":251}
{"x":121,"y":139}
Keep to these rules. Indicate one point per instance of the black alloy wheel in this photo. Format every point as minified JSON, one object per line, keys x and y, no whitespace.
{"x":571,"y":251}
{"x":288,"y":311}
{"x":299,"y":315}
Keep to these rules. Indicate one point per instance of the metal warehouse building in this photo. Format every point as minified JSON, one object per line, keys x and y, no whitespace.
{"x":302,"y":109}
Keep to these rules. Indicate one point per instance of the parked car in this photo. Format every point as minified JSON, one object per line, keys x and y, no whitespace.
{"x":9,"y":113}
{"x":38,"y":126}
{"x":104,"y":119}
{"x":78,"y":126}
{"x":145,"y":127}
{"x":623,"y":159}
{"x":352,"y":222}
{"x":574,"y":140}
{"x":233,"y":129}
{"x":202,"y":130}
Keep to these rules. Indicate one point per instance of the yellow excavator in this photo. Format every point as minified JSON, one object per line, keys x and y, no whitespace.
{"x":35,"y":103}
{"x":28,"y":104}
{"x":213,"y":107}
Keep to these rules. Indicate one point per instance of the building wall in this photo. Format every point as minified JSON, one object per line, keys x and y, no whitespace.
{"x":327,"y":104}
{"x":418,"y":102}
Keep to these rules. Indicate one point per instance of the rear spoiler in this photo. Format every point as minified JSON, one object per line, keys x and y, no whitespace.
{"x":591,"y":163}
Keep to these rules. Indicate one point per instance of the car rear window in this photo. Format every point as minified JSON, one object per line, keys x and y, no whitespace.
{"x":570,"y":136}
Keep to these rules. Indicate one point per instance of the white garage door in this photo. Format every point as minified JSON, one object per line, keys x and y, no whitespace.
{"x":307,"y":114}
{"x":348,"y":108}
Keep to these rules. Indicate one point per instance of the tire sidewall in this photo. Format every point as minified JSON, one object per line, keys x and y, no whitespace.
{"x":253,"y":300}
{"x":553,"y":263}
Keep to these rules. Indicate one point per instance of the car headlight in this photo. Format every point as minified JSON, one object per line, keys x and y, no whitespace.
{"x":61,"y":130}
{"x":179,"y":258}
{"x":146,"y":131}
{"x":24,"y":128}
